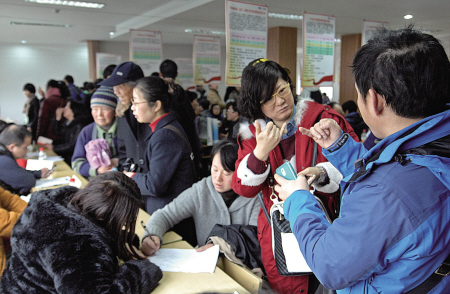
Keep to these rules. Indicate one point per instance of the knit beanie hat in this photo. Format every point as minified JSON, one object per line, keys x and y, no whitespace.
{"x":104,"y":96}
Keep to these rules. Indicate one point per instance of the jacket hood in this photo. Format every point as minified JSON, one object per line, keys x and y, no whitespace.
{"x":417,"y":135}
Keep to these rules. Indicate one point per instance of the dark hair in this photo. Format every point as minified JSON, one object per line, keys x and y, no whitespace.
{"x":232,"y":104}
{"x":63,"y":89}
{"x":191,"y":96}
{"x":257,"y":84}
{"x":30,"y":88}
{"x":69,"y":79}
{"x":349,"y":106}
{"x":205,"y":104}
{"x":409,"y":68}
{"x":154,"y":89}
{"x":155,"y":74}
{"x":78,"y":109}
{"x":112,"y":200}
{"x":14,"y":134}
{"x":108,"y":70}
{"x":228,"y":91}
{"x":228,"y":150}
{"x":168,"y":69}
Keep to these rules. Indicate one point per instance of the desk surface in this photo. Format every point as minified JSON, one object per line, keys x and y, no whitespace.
{"x":186,"y":283}
{"x":62,"y":170}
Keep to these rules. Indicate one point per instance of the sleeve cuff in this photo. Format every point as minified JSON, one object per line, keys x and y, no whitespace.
{"x":338,"y":143}
{"x":247,"y":176}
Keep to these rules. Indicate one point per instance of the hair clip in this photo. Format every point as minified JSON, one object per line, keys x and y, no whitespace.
{"x":260,"y":60}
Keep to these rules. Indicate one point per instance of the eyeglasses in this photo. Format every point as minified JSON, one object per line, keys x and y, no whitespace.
{"x":230,"y":110}
{"x":283,"y":92}
{"x":135,"y":103}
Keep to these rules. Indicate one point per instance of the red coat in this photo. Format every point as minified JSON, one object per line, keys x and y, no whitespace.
{"x":46,"y":114}
{"x":308,"y":112}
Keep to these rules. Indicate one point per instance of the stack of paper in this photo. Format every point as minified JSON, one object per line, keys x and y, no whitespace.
{"x":43,"y":183}
{"x":186,"y":260}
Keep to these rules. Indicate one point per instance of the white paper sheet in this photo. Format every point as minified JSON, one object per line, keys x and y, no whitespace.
{"x":186,"y":260}
{"x":54,"y":182}
{"x":36,"y":164}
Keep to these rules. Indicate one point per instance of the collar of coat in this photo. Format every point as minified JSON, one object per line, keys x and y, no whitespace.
{"x":302,"y":106}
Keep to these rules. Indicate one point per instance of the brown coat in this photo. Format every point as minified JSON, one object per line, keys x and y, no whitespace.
{"x":11,"y":206}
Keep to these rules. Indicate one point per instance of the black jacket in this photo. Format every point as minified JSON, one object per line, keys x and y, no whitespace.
{"x":131,"y":137}
{"x":56,"y":250}
{"x":70,"y":134}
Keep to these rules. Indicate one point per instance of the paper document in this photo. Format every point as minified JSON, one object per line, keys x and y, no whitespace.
{"x":36,"y":164}
{"x":54,"y":182}
{"x":186,"y":260}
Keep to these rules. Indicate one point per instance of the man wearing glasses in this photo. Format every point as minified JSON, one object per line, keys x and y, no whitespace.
{"x":14,"y":141}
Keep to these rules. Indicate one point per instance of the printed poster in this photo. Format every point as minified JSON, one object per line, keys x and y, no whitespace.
{"x":318,"y":50}
{"x":146,"y":50}
{"x":185,"y":77}
{"x":102,"y":60}
{"x":206,"y":60}
{"x":246,"y":26}
{"x":369,"y":29}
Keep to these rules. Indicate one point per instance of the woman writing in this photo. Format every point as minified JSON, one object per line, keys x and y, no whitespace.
{"x":170,"y":169}
{"x":267,"y":98}
{"x":69,"y":241}
{"x":210,"y":201}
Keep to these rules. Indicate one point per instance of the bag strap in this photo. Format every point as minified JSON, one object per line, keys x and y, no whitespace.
{"x":186,"y":142}
{"x":442,"y":271}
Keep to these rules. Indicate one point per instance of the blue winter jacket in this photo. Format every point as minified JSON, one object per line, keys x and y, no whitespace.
{"x":393,"y":231}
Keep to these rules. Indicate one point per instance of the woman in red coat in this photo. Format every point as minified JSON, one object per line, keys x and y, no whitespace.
{"x":267,"y":99}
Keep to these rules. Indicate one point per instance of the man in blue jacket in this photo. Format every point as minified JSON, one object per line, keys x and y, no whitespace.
{"x":393,"y":231}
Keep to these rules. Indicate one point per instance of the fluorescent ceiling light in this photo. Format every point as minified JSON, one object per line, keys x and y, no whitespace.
{"x":24,"y":42}
{"x":286,"y":16}
{"x":69,"y":3}
{"x":408,"y":16}
{"x":205,"y":32}
{"x":41,"y":24}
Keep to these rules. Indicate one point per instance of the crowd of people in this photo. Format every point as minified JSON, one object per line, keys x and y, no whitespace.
{"x":136,"y":140}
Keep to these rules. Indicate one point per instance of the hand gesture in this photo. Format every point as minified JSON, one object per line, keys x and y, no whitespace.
{"x":325,"y":132}
{"x":104,"y":169}
{"x":267,"y":140}
{"x":150,"y":245}
{"x":59,"y":113}
{"x":285,"y":188}
{"x":41,"y":92}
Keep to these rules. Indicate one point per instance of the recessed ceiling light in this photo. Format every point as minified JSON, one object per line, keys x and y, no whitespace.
{"x":205,"y":32}
{"x":111,"y":33}
{"x":408,"y":16}
{"x":286,"y":16}
{"x":41,"y":24}
{"x":69,"y":3}
{"x":24,"y":42}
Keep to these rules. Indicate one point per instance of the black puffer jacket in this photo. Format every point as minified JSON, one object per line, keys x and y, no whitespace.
{"x":56,"y":250}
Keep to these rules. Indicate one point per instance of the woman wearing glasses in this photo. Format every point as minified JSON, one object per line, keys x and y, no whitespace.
{"x":267,"y":99}
{"x":168,"y":155}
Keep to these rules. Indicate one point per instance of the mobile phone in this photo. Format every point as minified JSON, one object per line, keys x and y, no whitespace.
{"x":50,"y":171}
{"x":286,"y":171}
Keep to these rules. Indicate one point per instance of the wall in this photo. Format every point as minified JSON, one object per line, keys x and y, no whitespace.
{"x":36,"y":64}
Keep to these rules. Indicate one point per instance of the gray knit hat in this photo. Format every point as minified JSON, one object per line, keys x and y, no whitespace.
{"x":104,"y":96}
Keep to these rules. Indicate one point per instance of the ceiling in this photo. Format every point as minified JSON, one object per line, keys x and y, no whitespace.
{"x":172,"y":17}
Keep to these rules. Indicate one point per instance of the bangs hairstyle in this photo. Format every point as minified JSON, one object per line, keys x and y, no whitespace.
{"x":228,"y":150}
{"x":112,"y":200}
{"x":258,"y":82}
{"x":409,"y":68}
{"x":154,"y":89}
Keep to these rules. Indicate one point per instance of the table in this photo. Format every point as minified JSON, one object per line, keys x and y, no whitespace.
{"x":62,"y":170}
{"x":187,"y":283}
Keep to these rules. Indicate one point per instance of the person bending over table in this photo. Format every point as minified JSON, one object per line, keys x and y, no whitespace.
{"x":70,"y":241}
{"x":210,"y":201}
